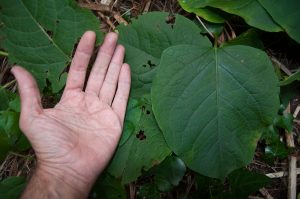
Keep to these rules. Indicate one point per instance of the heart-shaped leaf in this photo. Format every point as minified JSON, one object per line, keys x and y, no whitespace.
{"x":212,"y":102}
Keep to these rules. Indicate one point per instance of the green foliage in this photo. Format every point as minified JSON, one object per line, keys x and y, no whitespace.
{"x":169,"y":173}
{"x":11,"y":137}
{"x":215,"y":82}
{"x":240,"y":184}
{"x":40,"y":35}
{"x":208,"y":105}
{"x":107,"y":187}
{"x":144,"y":148}
{"x":12,"y":187}
{"x":286,"y":14}
{"x":145,"y":40}
{"x":250,"y":10}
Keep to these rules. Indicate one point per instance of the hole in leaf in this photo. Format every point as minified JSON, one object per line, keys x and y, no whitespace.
{"x":144,"y":65}
{"x":150,"y":64}
{"x":171,"y":20}
{"x":50,"y":33}
{"x":148,"y":112}
{"x":143,"y":108}
{"x":141,"y":135}
{"x":57,"y":21}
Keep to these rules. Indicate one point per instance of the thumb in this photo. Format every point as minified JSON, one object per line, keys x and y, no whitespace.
{"x":29,"y":92}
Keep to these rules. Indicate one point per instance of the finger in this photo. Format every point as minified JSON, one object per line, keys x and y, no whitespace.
{"x":108,"y":89}
{"x":120,"y":101}
{"x":101,"y":64}
{"x":29,"y":92}
{"x":80,"y":62}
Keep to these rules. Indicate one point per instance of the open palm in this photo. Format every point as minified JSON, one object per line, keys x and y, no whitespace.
{"x":79,"y":135}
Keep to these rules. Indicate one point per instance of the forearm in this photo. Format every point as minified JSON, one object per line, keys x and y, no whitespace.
{"x":46,"y":184}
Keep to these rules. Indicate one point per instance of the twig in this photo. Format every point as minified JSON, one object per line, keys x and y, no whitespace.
{"x":292,"y":181}
{"x":206,"y":29}
{"x":281,"y":66}
{"x":94,"y":6}
{"x":106,"y":2}
{"x":296,"y":112}
{"x":8,"y":84}
{"x":107,"y":20}
{"x":2,"y":53}
{"x":147,"y":6}
{"x":119,"y":18}
{"x":281,"y":174}
{"x":265,"y":193}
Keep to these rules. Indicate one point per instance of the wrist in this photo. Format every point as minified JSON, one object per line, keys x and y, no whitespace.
{"x":54,"y":182}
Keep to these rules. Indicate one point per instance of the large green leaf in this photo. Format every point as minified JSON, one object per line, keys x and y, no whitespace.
{"x":12,"y":187}
{"x":145,"y":148}
{"x":40,"y":35}
{"x":250,"y":10}
{"x":147,"y":37}
{"x":211,"y":103}
{"x":286,"y":13}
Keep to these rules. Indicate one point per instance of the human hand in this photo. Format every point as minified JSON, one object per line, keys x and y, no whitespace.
{"x":75,"y":140}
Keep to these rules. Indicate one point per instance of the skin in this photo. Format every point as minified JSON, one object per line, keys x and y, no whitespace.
{"x":76,"y":139}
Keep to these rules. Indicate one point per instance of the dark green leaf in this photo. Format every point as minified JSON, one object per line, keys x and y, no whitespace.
{"x":285,"y":121}
{"x":133,"y":116}
{"x":108,"y":187}
{"x":291,"y":79}
{"x":145,"y":148}
{"x":248,"y":38}
{"x":40,"y":35}
{"x":5,"y":98}
{"x":286,"y":14}
{"x":169,"y":173}
{"x":12,"y":187}
{"x":148,"y":191}
{"x":147,"y":37}
{"x":209,"y":14}
{"x":250,"y":10}
{"x":243,"y":183}
{"x":212,"y":103}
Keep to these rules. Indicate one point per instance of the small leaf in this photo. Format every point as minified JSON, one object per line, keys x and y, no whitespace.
{"x":294,"y":77}
{"x":285,"y":121}
{"x":207,"y":13}
{"x":5,"y":98}
{"x":12,"y":187}
{"x":148,"y":191}
{"x":211,"y":105}
{"x":248,"y":38}
{"x":243,"y":183}
{"x":108,"y":187}
{"x":40,"y":35}
{"x":169,"y":173}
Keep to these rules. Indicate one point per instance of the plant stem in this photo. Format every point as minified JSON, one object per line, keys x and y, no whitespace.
{"x":8,"y":84}
{"x":3,"y":53}
{"x":206,"y":29}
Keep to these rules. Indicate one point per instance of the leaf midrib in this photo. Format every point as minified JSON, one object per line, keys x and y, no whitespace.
{"x":43,"y":31}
